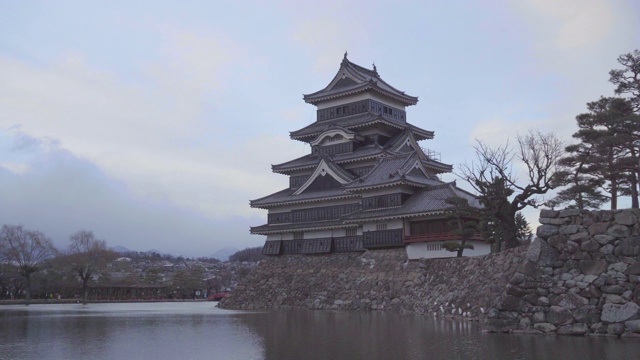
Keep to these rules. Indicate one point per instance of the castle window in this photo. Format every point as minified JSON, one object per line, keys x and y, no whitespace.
{"x":298,"y":235}
{"x":352,"y":232}
{"x":380,"y":227}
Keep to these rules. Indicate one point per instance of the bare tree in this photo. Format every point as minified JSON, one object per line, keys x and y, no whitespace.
{"x":494,"y":177}
{"x":25,"y":249}
{"x":86,"y":255}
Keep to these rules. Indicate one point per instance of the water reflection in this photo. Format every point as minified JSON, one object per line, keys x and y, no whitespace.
{"x":199,"y":330}
{"x":374,"y":335}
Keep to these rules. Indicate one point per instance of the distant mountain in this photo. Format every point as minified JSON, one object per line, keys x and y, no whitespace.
{"x":223,"y":254}
{"x":120,"y":249}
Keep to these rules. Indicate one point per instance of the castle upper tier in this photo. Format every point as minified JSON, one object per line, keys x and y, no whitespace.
{"x":367,"y":183}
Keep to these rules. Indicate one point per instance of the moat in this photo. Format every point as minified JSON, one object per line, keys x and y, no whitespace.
{"x":200,"y":330}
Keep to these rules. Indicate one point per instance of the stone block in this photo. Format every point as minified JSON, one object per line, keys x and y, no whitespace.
{"x":546,"y":213}
{"x":604,"y":239}
{"x":598,"y":228}
{"x":515,"y":291}
{"x":615,"y":329}
{"x":558,"y":315}
{"x":517,"y":278}
{"x":607,"y":249}
{"x":511,"y":303}
{"x":592,"y":267}
{"x":543,"y":301}
{"x":579,"y":237}
{"x":625,"y":217}
{"x":538,"y":317}
{"x":546,"y":231}
{"x":619,"y":231}
{"x":550,"y":221}
{"x":569,"y":212}
{"x":570,"y":301}
{"x":573,"y":329}
{"x":557,"y":239}
{"x":629,"y":246}
{"x":633,"y":269}
{"x":632,"y":326}
{"x":540,"y":252}
{"x":591,"y":292}
{"x":531,"y":270}
{"x":590,"y":246}
{"x":619,"y":267}
{"x":588,"y":314}
{"x":605,"y":215}
{"x":613,"y":289}
{"x":614,"y":313}
{"x":545,"y":327}
{"x":570,"y":229}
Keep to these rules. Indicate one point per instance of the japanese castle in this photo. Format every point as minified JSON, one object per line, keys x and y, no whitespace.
{"x":366,"y":184}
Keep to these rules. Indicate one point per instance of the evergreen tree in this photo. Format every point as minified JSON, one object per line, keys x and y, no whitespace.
{"x":610,"y":131}
{"x":583,"y":187}
{"x":628,"y":78}
{"x":523,"y":230}
{"x":460,"y":220}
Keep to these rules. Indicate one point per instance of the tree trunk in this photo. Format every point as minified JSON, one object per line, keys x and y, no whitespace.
{"x":462,"y":243}
{"x":85,"y":290}
{"x":634,"y":180}
{"x":27,"y":292}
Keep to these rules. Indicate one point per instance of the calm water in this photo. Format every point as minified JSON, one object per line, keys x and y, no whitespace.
{"x":202,"y":331}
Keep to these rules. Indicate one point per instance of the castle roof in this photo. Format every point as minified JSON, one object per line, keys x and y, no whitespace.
{"x":427,"y":201}
{"x":312,"y":160}
{"x":352,"y":79}
{"x":314,"y":129}
{"x":395,"y":170}
{"x":308,"y":226}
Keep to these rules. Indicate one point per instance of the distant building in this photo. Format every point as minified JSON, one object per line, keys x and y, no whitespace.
{"x":366,"y":184}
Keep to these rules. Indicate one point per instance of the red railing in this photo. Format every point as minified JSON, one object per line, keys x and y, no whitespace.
{"x":441,"y":236}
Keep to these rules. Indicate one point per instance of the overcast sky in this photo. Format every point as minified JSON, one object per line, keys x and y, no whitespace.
{"x":154,"y":123}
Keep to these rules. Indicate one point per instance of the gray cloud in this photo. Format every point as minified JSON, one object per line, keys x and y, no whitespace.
{"x":62,"y":193}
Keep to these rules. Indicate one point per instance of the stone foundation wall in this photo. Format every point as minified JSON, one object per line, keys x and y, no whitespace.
{"x":579,"y":276}
{"x":377,"y":280}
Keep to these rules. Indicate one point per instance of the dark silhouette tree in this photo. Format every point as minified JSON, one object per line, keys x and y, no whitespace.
{"x":461,"y":220}
{"x":27,"y":250}
{"x":87,"y":255}
{"x":523,"y":230}
{"x":579,"y":177}
{"x":501,"y":192}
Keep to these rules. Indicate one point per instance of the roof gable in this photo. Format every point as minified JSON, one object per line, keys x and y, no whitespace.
{"x":326,"y":168}
{"x":352,"y":78}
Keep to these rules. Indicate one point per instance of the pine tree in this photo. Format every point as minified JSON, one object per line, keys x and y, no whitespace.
{"x":460,"y":219}
{"x":523,"y":230}
{"x":583,"y":187}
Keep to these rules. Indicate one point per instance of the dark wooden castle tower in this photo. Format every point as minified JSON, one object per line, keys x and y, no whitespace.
{"x":366,"y":184}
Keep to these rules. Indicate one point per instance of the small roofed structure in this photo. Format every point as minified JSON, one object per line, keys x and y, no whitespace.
{"x":367,"y":183}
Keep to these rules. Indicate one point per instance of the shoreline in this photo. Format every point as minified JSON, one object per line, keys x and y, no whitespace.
{"x":77,"y":301}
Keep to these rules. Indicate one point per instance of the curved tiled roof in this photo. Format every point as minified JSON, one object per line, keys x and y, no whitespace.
{"x":312,"y":160}
{"x":393,"y":170}
{"x":356,"y":121}
{"x":426,"y":201}
{"x":286,"y":196}
{"x":284,"y":228}
{"x":351,"y":79}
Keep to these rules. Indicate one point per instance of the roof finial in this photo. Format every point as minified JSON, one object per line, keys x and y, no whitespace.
{"x":375,"y":70}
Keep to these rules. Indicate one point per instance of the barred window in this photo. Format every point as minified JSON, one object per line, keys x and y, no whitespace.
{"x":380,"y":227}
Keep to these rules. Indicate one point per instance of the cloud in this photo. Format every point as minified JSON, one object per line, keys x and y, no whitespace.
{"x":574,"y":23}
{"x":63,"y":193}
{"x":327,"y":29}
{"x":158,"y":135}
